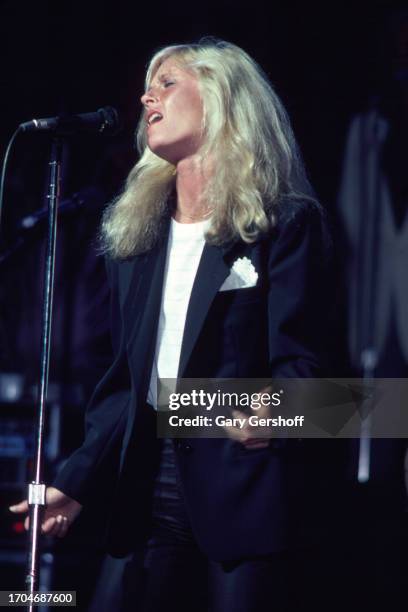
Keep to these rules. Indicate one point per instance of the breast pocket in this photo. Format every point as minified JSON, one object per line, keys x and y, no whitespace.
{"x":247,"y":295}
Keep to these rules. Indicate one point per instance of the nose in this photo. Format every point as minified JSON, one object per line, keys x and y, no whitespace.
{"x":148,"y":98}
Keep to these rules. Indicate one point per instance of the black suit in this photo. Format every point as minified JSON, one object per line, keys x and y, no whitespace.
{"x":240,"y":502}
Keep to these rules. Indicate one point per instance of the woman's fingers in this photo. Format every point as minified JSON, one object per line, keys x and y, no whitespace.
{"x":246,"y":434}
{"x":56,"y":526}
{"x":256,"y":443}
{"x":49,"y":525}
{"x":20,"y":507}
{"x":63,"y":526}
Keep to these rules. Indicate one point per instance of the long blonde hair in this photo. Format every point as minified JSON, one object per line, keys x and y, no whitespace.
{"x":249,"y":136}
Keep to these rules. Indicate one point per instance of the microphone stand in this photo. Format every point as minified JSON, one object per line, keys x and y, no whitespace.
{"x":36,"y":489}
{"x":369,"y":225}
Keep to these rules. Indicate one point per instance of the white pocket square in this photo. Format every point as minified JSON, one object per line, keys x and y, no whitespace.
{"x":242,"y":275}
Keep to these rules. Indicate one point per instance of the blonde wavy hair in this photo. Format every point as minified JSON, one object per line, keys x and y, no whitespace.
{"x":249,"y":136}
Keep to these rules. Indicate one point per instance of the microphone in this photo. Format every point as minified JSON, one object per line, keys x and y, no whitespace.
{"x":105,"y":121}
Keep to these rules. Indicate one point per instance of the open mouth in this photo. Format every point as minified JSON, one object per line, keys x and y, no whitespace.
{"x":154,"y":118}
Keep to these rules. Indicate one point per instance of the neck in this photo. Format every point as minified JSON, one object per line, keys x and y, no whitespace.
{"x":192,"y":177}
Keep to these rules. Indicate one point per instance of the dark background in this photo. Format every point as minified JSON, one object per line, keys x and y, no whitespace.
{"x":326,"y":60}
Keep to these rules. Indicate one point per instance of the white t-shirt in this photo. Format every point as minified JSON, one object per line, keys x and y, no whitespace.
{"x":184,"y":249}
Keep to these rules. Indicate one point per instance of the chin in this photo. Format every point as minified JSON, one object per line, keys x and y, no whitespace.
{"x":165,"y":152}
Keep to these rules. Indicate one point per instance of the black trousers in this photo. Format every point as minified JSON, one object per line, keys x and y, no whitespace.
{"x":175,"y":575}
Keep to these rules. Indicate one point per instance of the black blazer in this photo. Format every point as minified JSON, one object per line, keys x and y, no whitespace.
{"x":240,"y":502}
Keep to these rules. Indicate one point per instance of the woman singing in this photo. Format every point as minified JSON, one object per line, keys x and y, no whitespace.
{"x":217,"y":256}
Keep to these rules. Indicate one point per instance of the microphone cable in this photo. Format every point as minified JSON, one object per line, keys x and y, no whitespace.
{"x":4,"y":167}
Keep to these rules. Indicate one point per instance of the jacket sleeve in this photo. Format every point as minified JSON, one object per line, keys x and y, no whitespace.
{"x":105,"y":418}
{"x":299,"y":293}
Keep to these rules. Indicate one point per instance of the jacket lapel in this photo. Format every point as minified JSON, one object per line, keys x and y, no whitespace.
{"x":212,"y":271}
{"x":142,"y":309}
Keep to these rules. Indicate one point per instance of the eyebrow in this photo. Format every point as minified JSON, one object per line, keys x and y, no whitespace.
{"x":165,"y":76}
{"x":162,"y":77}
